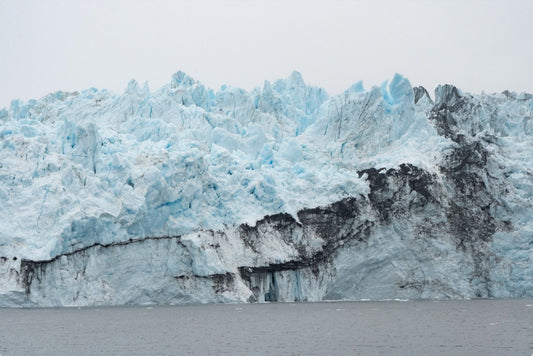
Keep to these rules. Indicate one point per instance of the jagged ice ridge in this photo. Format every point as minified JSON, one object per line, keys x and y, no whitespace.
{"x":283,"y":193}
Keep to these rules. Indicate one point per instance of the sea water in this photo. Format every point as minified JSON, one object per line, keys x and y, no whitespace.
{"x":465,"y":327}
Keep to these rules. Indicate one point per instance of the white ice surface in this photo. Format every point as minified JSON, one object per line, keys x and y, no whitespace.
{"x":97,"y":167}
{"x":93,"y":166}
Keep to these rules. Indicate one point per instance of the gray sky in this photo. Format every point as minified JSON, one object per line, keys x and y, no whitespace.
{"x":72,"y":45}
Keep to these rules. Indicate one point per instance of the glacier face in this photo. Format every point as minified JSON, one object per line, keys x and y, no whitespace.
{"x":279,"y":194}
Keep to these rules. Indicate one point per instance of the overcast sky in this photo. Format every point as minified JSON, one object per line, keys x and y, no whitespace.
{"x":72,"y":45}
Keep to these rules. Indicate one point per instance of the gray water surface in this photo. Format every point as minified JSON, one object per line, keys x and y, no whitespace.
{"x":476,"y":327}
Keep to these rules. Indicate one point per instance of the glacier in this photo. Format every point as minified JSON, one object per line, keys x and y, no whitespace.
{"x":282,"y":193}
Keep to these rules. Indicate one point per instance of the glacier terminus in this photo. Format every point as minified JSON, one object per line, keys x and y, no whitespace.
{"x":282,"y":193}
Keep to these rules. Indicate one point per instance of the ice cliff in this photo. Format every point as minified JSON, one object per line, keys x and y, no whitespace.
{"x":283,"y":193}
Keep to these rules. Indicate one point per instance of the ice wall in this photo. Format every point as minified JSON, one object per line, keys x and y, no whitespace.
{"x":446,"y":179}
